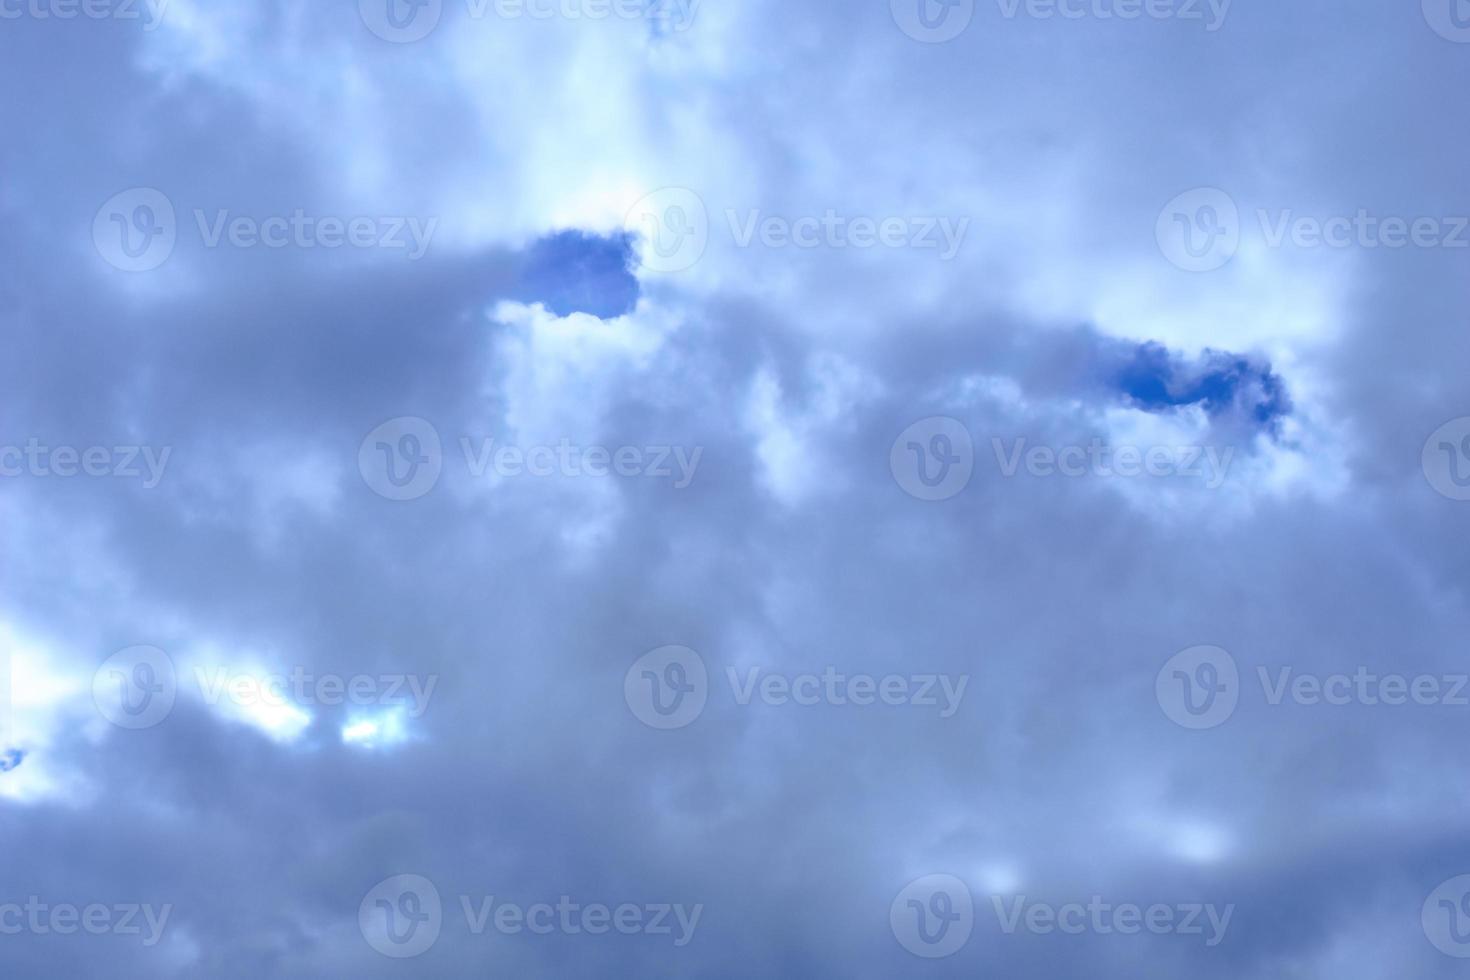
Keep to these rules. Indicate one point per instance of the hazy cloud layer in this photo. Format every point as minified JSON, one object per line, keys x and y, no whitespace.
{"x":733,"y":489}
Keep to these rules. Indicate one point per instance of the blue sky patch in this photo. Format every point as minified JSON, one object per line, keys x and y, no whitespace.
{"x":578,"y":272}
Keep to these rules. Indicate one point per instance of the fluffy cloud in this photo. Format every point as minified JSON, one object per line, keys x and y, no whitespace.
{"x":935,"y":398}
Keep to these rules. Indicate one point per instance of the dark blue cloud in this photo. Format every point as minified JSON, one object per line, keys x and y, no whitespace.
{"x":1156,"y":379}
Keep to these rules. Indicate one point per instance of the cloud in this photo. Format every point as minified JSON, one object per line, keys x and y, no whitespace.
{"x":757,"y":399}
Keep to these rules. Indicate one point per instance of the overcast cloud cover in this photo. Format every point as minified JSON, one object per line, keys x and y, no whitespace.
{"x":697,"y":488}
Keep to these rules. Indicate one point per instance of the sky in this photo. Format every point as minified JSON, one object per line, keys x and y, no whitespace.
{"x":702,"y":489}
